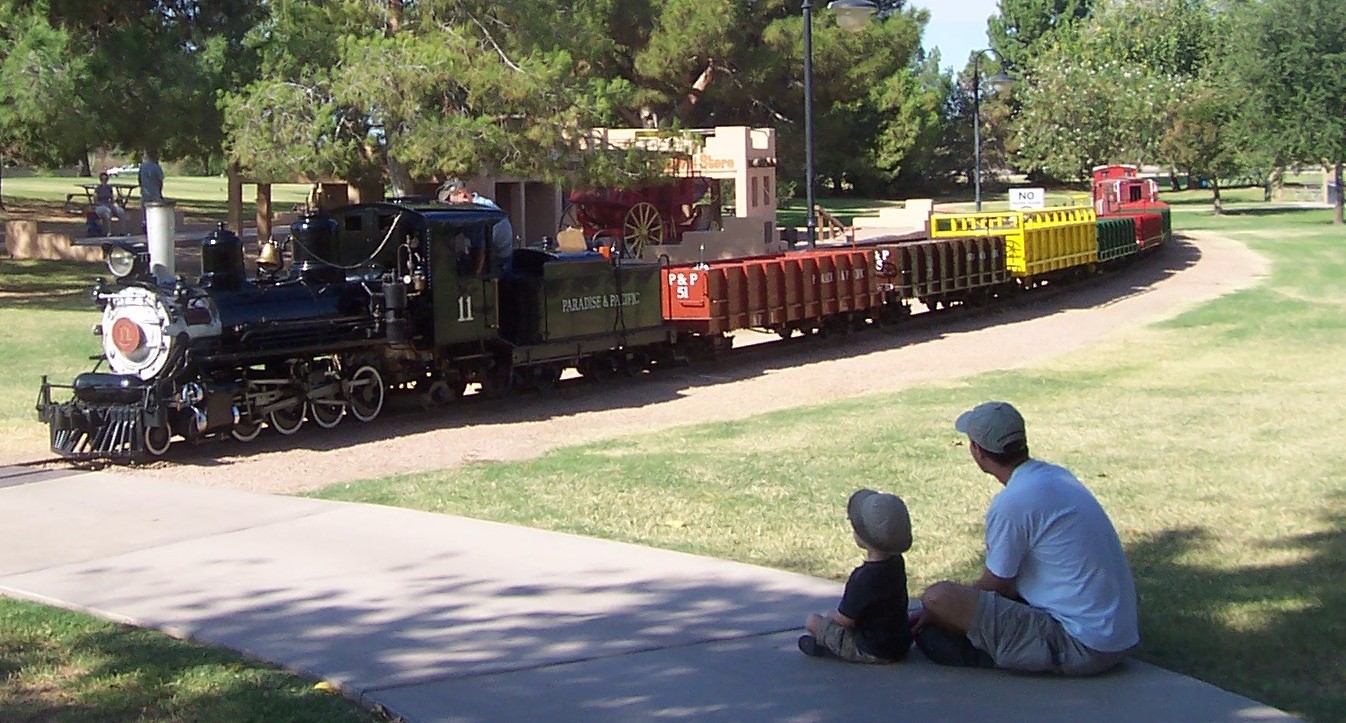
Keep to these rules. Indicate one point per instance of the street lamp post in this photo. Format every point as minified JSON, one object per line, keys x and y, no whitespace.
{"x":999,"y":81}
{"x":852,"y":15}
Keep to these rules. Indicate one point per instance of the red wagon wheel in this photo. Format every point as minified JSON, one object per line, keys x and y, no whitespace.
{"x":643,"y":225}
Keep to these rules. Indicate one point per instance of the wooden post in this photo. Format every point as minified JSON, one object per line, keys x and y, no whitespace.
{"x":235,"y":199}
{"x":263,"y":212}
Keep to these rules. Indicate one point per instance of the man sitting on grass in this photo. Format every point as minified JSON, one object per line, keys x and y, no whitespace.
{"x":1056,"y":594}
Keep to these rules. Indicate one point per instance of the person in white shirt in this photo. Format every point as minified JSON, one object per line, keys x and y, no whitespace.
{"x":151,"y":179}
{"x":1056,"y":594}
{"x":502,"y":234}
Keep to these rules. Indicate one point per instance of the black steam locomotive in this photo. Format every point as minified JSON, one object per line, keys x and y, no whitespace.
{"x":377,"y":296}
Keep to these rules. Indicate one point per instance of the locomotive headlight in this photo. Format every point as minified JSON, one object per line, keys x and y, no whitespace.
{"x":121,"y":261}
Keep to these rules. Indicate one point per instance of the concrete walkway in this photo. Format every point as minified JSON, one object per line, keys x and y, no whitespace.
{"x":441,"y":618}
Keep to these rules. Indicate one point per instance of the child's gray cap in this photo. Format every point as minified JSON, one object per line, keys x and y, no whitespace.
{"x":880,"y":521}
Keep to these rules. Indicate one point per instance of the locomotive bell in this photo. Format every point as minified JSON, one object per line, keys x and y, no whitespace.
{"x":222,"y":260}
{"x":269,"y":258}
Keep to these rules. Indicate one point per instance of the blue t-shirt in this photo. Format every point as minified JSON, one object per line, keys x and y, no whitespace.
{"x":151,"y":182}
{"x":1048,"y":533}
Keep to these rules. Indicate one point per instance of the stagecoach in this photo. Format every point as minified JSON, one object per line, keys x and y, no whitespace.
{"x":632,"y":220}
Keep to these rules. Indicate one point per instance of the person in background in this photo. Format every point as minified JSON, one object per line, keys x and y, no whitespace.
{"x":1056,"y":594}
{"x":106,"y":206}
{"x":870,"y":623}
{"x":151,"y":179}
{"x":502,"y":234}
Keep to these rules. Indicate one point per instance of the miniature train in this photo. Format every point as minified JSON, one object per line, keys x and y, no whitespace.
{"x":388,"y":296}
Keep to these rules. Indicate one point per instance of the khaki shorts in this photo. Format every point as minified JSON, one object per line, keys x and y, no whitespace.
{"x":841,"y":640}
{"x":1022,"y":637}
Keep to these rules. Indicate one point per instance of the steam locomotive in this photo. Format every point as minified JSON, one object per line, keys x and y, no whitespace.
{"x":377,"y":296}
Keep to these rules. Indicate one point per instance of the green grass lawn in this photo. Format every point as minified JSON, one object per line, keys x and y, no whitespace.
{"x":1212,"y":439}
{"x":46,"y":314}
{"x":202,"y":197}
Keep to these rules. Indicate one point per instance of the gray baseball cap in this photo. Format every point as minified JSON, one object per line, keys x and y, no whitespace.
{"x":448,"y":188}
{"x":993,"y":426}
{"x":880,"y":521}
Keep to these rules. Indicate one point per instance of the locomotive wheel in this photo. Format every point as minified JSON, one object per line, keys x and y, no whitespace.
{"x":365,"y":393}
{"x":525,"y":379}
{"x":599,"y":367}
{"x":442,"y":392}
{"x":157,"y":440}
{"x":326,"y":413}
{"x":642,"y":226}
{"x":246,"y":431}
{"x":287,"y":421}
{"x":497,"y":381}
{"x":636,"y":363}
{"x":547,"y":376}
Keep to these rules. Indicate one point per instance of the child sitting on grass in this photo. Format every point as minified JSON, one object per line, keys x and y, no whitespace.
{"x":870,"y":623}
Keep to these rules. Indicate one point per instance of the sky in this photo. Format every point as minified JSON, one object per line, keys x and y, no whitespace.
{"x":957,"y":27}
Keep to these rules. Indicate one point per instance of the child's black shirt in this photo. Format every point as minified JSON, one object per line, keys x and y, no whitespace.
{"x":876,"y":599}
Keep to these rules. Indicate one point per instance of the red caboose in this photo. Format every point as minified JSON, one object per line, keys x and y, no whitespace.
{"x":1120,"y":184}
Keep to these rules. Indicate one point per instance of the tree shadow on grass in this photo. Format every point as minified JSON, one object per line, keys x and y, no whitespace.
{"x":1274,"y":633}
{"x":118,"y":672}
{"x":48,"y":285}
{"x":1273,"y":210}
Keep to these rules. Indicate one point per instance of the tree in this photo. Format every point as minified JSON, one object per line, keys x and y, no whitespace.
{"x":910,"y":144}
{"x":1023,"y":29}
{"x":1105,"y":93}
{"x":1077,"y":113}
{"x":37,"y":75}
{"x":343,"y":92}
{"x":135,"y":74}
{"x":469,"y":85}
{"x":1200,"y":138}
{"x":1285,"y":71}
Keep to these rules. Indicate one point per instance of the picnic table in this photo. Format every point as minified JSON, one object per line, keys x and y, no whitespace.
{"x":122,"y":193}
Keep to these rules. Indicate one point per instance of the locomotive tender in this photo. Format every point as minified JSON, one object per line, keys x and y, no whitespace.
{"x":402,"y":295}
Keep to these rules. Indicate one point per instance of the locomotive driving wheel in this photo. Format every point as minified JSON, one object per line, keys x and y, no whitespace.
{"x":246,"y":430}
{"x":642,"y":226}
{"x":287,"y":421}
{"x":326,"y":413}
{"x":364,"y":391}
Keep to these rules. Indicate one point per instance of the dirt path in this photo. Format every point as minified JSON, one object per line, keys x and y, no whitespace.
{"x":784,"y":375}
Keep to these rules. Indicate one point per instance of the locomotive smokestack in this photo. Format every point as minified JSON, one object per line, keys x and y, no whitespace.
{"x":160,"y":229}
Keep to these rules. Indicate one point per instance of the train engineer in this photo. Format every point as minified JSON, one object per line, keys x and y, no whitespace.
{"x":502,"y":234}
{"x":870,"y":623}
{"x":1056,"y":594}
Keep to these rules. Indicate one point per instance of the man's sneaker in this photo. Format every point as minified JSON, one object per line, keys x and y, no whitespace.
{"x":808,"y":645}
{"x":945,"y":648}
